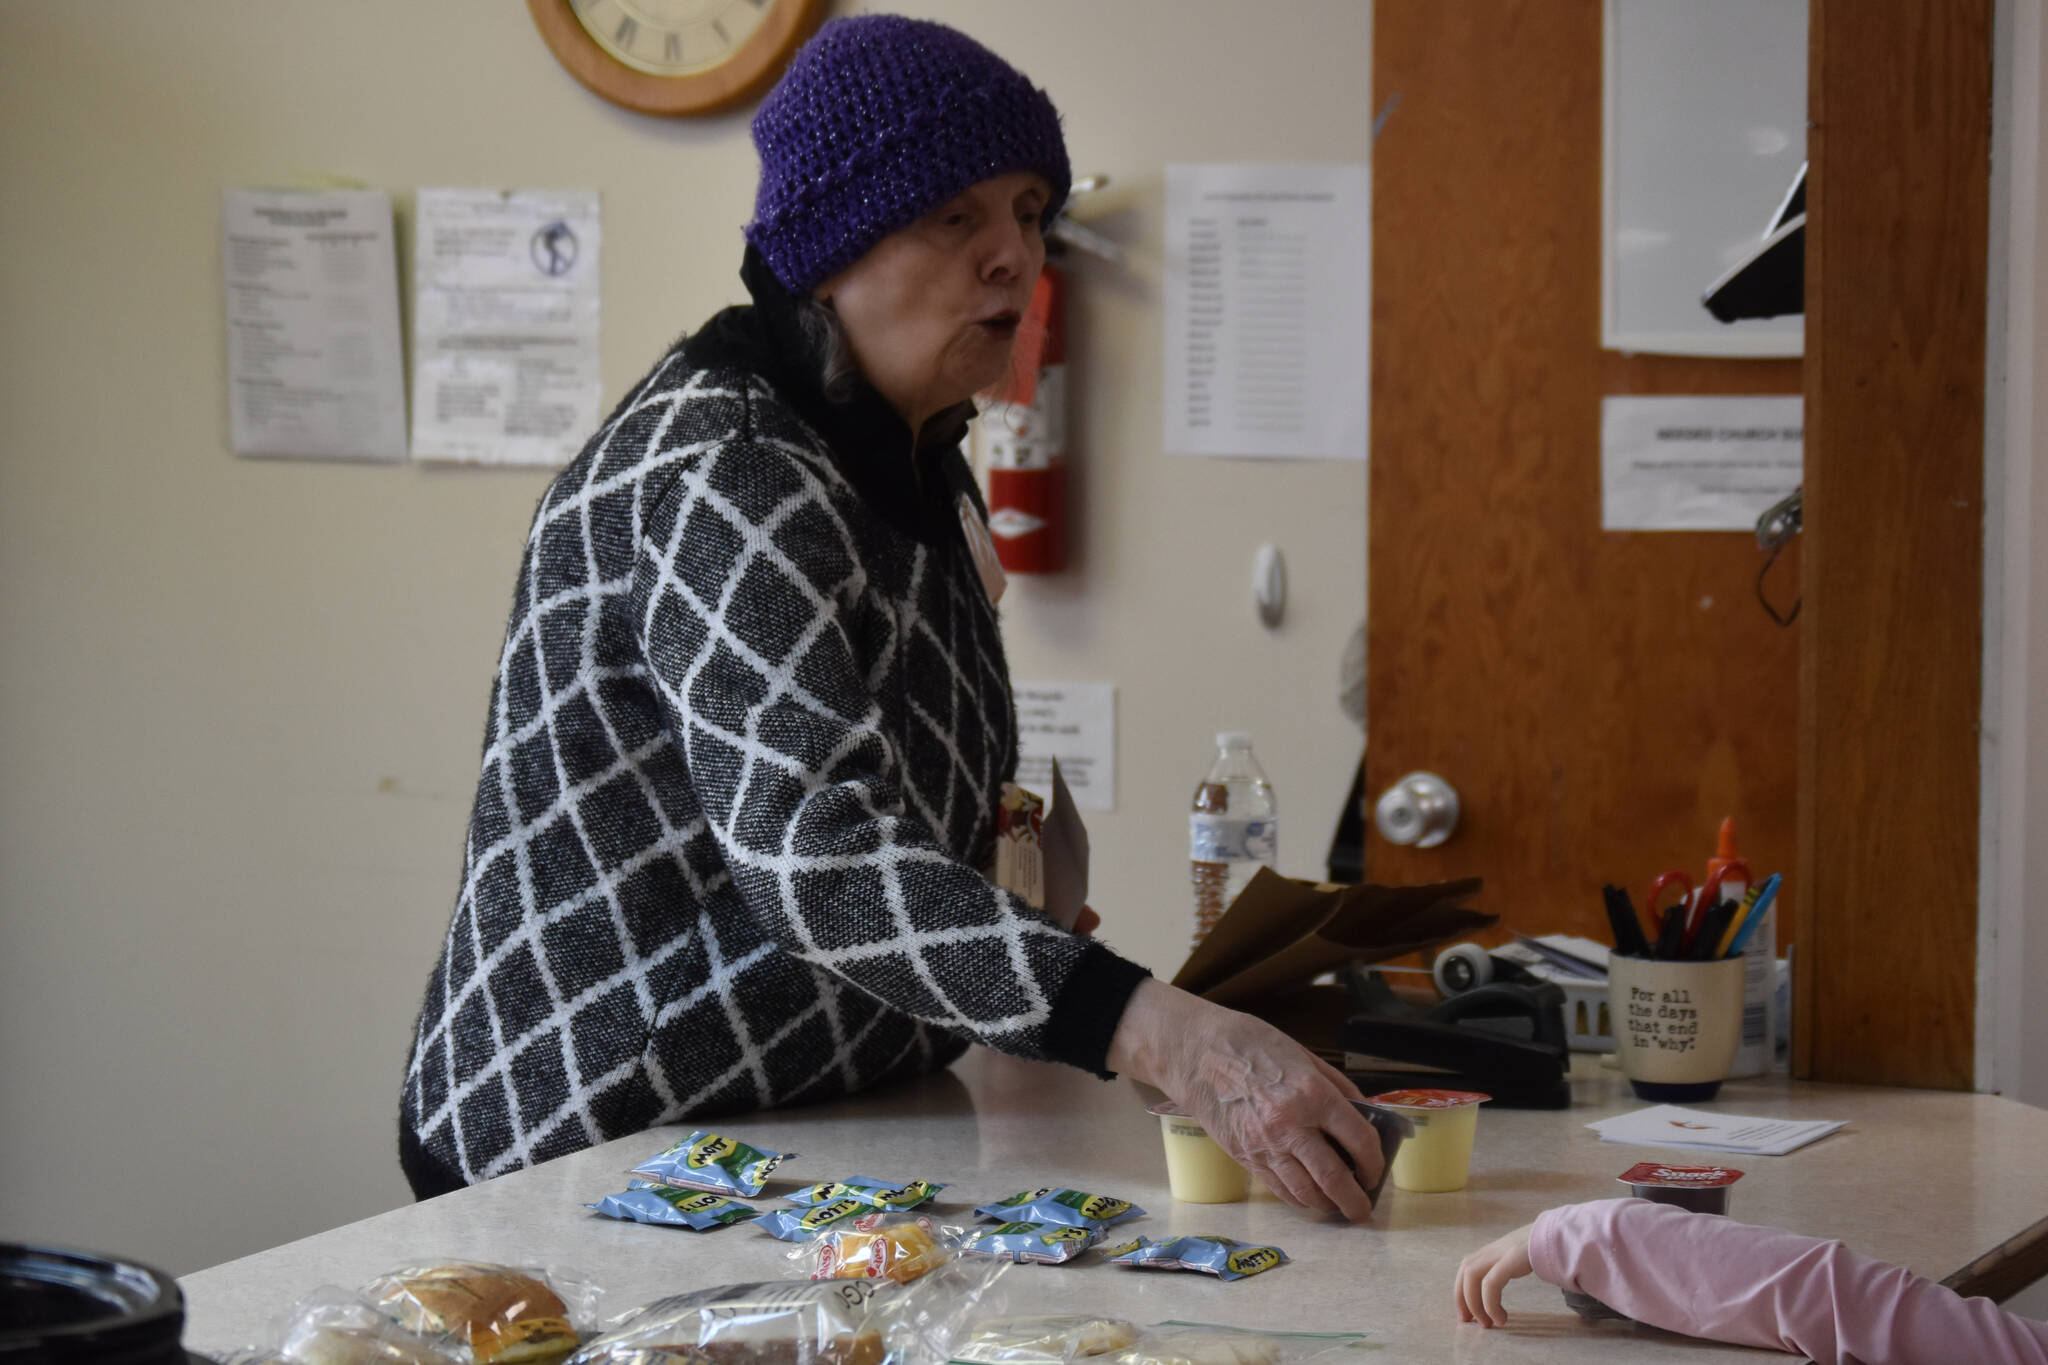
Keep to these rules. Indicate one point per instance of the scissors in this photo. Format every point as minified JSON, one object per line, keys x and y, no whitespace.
{"x":1666,"y":931}
{"x":1734,"y":870}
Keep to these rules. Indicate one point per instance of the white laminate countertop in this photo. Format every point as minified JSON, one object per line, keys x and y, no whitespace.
{"x":1929,"y":1179}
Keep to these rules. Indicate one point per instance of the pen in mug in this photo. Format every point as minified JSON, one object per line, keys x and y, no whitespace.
{"x":1712,"y":930}
{"x":1756,"y":914}
{"x":1728,"y":935}
{"x":1664,"y":932}
{"x":1629,"y":939}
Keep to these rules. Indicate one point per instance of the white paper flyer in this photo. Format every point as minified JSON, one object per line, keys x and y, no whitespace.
{"x":505,"y":325}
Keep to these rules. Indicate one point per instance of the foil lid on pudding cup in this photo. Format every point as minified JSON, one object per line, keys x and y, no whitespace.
{"x":1679,"y":1177}
{"x":1428,"y":1099}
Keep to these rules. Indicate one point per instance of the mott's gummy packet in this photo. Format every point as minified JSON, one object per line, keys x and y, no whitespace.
{"x":670,"y":1207}
{"x":802,"y":1223}
{"x":1045,"y":1243}
{"x":1068,"y":1208}
{"x":874,"y":1193}
{"x":1219,"y":1256}
{"x":707,"y":1161}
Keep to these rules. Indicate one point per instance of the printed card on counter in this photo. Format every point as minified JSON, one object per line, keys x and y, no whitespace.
{"x":1668,"y":1125}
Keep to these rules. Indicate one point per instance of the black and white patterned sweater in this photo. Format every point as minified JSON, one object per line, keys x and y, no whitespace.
{"x":746,"y":741}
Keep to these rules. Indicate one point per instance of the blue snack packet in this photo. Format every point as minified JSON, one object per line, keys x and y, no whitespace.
{"x":876,"y":1194}
{"x":1068,"y":1208}
{"x":800,"y":1224}
{"x":1222,"y":1257}
{"x":1044,"y":1243}
{"x":707,"y":1161}
{"x":667,"y":1206}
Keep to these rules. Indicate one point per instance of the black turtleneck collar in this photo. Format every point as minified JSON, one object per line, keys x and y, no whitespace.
{"x":870,"y":441}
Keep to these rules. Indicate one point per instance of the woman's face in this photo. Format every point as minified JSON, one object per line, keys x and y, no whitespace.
{"x":932,"y":309}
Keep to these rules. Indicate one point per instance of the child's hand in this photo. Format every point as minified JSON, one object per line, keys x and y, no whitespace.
{"x":1483,"y":1274}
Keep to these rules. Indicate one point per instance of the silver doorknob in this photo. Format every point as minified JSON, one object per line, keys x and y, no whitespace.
{"x":1420,"y":810}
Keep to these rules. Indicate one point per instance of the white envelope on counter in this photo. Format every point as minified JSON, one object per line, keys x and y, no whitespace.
{"x":1668,"y":1125}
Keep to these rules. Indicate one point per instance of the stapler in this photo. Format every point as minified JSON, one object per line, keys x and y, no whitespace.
{"x":1505,"y":1039}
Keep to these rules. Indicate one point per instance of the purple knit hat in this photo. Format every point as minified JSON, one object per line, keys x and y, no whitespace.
{"x":878,"y":121}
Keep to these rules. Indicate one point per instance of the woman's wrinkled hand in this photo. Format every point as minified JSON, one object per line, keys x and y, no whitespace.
{"x":1283,"y":1113}
{"x":1486,"y":1272}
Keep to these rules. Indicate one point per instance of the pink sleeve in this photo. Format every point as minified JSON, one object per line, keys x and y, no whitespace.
{"x":1707,"y":1276}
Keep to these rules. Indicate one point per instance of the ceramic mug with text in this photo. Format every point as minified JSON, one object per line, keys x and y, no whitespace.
{"x":1676,"y":1024}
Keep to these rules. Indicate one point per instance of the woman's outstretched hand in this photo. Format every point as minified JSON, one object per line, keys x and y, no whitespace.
{"x":1283,"y":1113}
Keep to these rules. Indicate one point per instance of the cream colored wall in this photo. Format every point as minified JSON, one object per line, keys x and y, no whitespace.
{"x":241,"y":701}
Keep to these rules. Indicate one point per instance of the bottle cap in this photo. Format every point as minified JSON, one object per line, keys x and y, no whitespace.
{"x":1233,"y":739}
{"x":1725,"y":851}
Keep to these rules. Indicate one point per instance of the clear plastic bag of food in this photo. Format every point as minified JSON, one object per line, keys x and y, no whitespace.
{"x":785,"y":1323}
{"x":801,"y":1322}
{"x":479,"y":1313}
{"x":714,"y":1162}
{"x":331,"y":1326}
{"x":876,"y":1246}
{"x":1208,"y":1343}
{"x":1043,"y":1339}
{"x":1064,"y":1340}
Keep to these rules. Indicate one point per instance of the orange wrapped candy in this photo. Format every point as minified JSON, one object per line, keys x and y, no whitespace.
{"x":879,"y":1246}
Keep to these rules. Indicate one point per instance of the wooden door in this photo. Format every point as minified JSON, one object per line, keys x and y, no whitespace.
{"x":1599,"y":700}
{"x":1900,"y":97}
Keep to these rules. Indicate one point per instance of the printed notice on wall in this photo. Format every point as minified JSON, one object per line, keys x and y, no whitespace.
{"x":505,"y":325}
{"x":1697,"y":464}
{"x":1268,"y":310}
{"x":1075,"y":723}
{"x":315,"y":365}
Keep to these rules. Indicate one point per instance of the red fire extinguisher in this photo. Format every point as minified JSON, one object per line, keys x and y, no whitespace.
{"x":1025,"y":438}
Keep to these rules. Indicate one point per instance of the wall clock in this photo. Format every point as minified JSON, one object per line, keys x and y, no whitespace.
{"x":675,"y":57}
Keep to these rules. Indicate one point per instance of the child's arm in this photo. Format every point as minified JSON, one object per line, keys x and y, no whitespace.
{"x":1708,"y":1276}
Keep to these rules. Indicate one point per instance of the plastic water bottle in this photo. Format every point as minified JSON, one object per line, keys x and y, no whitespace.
{"x":1233,"y":829}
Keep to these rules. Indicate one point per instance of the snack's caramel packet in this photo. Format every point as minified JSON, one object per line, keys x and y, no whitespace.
{"x":874,"y":1193}
{"x":667,"y":1206}
{"x":1069,"y":1208}
{"x":1222,"y":1257}
{"x":876,"y":1246}
{"x":801,"y":1224}
{"x":1044,"y":1243}
{"x":707,"y":1161}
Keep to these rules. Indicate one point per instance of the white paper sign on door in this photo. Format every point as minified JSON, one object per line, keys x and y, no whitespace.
{"x":1697,"y":464}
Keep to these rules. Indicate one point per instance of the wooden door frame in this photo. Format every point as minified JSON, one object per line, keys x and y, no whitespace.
{"x":1891,"y":649}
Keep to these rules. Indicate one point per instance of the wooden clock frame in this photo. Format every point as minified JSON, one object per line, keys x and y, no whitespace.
{"x":753,"y":66}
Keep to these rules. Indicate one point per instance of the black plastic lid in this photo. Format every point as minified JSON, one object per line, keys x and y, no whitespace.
{"x":63,"y":1306}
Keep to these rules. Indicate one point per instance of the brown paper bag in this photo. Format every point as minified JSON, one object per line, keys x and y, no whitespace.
{"x":1280,"y":934}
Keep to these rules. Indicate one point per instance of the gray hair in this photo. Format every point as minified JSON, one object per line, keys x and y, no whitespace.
{"x":839,"y":376}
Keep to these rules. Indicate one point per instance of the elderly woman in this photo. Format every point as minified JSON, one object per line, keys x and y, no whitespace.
{"x":752,"y":716}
